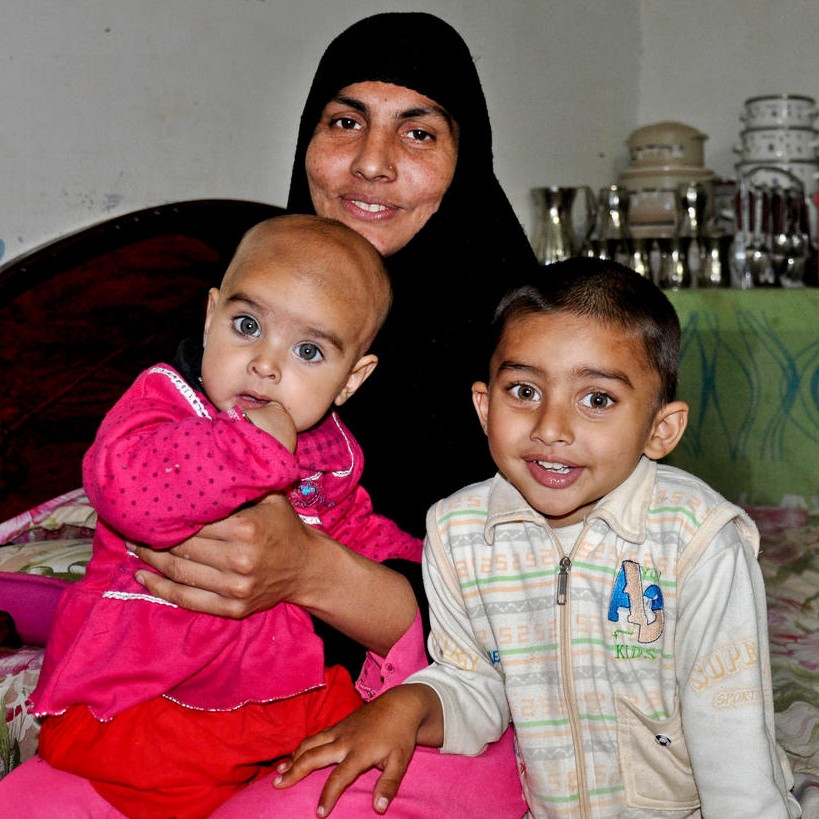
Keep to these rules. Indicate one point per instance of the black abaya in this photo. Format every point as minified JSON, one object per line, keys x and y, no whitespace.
{"x":414,"y":417}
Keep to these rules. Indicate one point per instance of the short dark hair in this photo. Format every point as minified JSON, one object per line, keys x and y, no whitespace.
{"x":610,"y":293}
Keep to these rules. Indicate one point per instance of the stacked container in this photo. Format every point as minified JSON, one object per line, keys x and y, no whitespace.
{"x":778,"y":145}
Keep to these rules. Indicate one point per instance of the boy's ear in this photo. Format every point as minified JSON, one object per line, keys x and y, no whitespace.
{"x":361,"y":371}
{"x":666,"y":430}
{"x":480,"y":398}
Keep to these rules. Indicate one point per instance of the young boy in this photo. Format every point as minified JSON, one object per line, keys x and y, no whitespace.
{"x":166,"y":711}
{"x":609,"y":607}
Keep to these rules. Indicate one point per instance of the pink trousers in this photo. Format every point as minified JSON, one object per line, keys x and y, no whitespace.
{"x":435,"y":785}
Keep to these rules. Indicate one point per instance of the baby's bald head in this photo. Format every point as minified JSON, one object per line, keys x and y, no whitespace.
{"x":334,"y":261}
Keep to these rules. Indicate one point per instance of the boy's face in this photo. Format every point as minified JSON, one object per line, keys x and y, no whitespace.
{"x":290,"y":328}
{"x":570,"y":408}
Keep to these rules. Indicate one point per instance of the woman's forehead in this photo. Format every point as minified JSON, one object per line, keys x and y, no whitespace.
{"x":413,"y":50}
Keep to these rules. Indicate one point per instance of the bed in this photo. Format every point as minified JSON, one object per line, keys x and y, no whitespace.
{"x":83,"y":315}
{"x":80,"y":318}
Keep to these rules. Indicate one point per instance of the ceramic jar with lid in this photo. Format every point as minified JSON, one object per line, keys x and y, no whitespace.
{"x":667,"y":143}
{"x":778,"y":144}
{"x":664,"y":156}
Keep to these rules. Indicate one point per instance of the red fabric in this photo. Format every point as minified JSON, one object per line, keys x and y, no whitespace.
{"x":73,"y":344}
{"x":160,"y":759}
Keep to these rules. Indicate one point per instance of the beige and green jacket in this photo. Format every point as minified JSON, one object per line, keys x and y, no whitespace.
{"x":646,"y":691}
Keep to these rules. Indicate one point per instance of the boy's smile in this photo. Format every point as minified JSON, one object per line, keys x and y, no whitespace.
{"x":571,"y":406}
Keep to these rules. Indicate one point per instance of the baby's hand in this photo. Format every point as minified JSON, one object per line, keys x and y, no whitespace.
{"x":381,"y":734}
{"x":275,"y":420}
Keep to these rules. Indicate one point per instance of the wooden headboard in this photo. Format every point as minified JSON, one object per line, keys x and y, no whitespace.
{"x":81,"y":316}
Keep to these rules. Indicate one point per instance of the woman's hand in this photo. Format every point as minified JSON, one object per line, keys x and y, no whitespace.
{"x":381,"y":734}
{"x":264,"y":555}
{"x":246,"y":563}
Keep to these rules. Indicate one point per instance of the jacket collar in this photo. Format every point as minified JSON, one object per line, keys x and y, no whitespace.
{"x":624,"y":509}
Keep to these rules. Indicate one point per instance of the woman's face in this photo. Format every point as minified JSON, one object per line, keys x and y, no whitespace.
{"x":380,"y":160}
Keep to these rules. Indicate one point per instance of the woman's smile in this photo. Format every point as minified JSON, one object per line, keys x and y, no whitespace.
{"x":365,"y":207}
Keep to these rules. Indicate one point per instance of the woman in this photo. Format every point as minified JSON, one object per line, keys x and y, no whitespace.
{"x":448,"y":273}
{"x":414,"y":417}
{"x":394,"y":141}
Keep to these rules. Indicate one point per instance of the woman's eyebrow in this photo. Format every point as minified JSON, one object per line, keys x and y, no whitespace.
{"x":424,"y":111}
{"x":352,"y":102}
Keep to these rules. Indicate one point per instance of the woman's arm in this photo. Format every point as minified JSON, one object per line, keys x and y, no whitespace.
{"x":265,"y":555}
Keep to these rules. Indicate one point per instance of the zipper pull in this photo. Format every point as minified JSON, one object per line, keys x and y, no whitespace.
{"x":563,"y":580}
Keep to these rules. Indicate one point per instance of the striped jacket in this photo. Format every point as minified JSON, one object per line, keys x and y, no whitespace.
{"x":636,"y":694}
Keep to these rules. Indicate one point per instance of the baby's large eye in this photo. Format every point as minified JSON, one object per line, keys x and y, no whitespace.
{"x":597,"y":400}
{"x":247,"y":326}
{"x":307,"y":351}
{"x":524,"y":392}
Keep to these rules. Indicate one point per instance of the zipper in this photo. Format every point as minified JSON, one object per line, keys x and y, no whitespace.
{"x":567,"y":674}
{"x":563,"y":580}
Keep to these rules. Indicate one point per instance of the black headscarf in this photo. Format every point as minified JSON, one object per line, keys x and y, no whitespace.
{"x":414,"y":416}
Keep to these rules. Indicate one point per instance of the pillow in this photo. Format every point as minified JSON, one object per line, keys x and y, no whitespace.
{"x":67,"y":516}
{"x":32,"y":603}
{"x":33,"y":576}
{"x":46,"y":548}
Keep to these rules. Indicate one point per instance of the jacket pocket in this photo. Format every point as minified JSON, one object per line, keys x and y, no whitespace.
{"x":654,"y":760}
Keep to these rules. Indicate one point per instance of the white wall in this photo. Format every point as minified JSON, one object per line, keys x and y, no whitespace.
{"x":702,"y":59}
{"x":114,"y":105}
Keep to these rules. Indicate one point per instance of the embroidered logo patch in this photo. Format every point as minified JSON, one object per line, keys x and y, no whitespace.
{"x":306,"y":493}
{"x":643,"y":607}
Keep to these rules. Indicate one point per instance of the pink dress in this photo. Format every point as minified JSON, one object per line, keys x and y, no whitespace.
{"x":164,"y":463}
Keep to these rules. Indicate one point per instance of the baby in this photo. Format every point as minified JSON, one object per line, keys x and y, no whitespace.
{"x":166,"y":711}
{"x":609,"y":607}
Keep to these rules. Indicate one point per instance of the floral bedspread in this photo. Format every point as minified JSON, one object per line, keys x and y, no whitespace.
{"x":44,"y":549}
{"x":19,"y":669}
{"x":789,"y":559}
